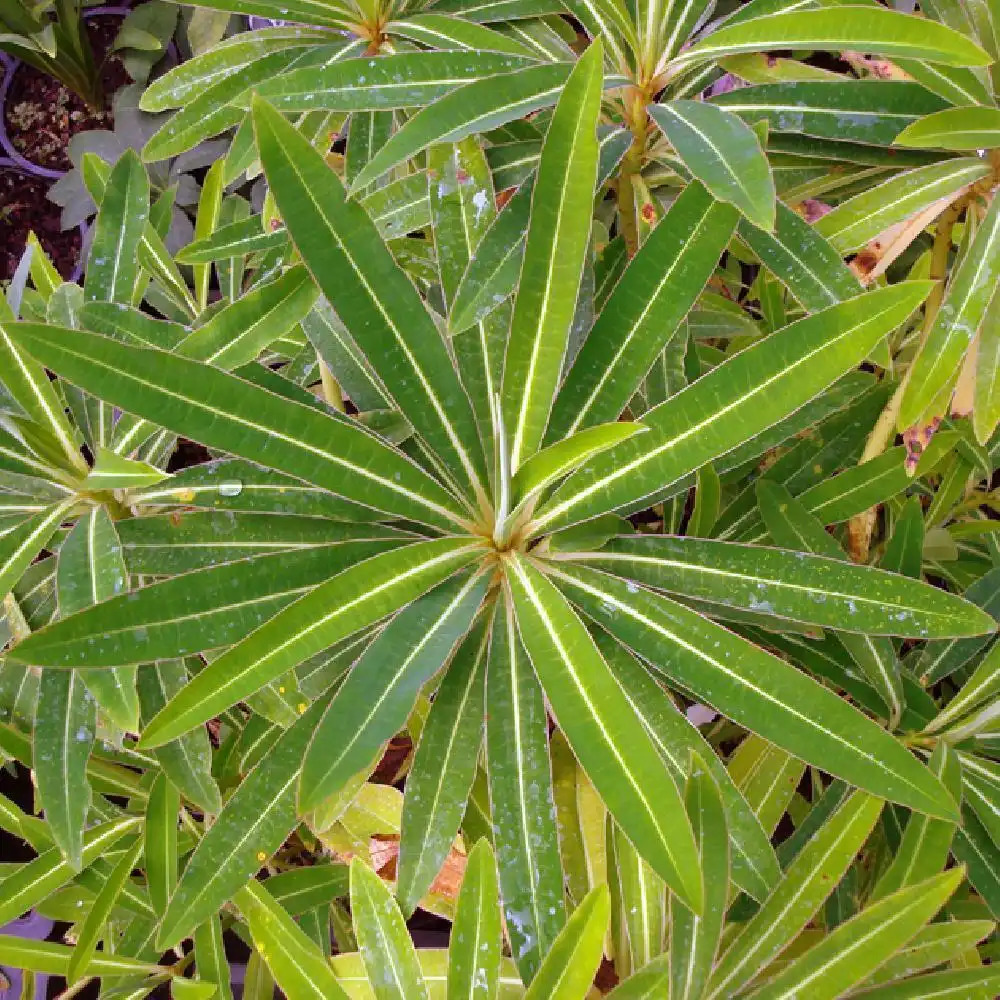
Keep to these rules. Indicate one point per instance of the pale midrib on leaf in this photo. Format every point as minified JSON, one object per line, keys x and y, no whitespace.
{"x":467,"y":464}
{"x":538,"y":526}
{"x":655,"y":627}
{"x":595,"y":714}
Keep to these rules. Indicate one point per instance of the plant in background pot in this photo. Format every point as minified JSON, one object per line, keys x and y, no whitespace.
{"x":52,"y":38}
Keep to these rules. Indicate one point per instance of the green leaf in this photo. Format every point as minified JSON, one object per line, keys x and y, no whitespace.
{"x":442,"y":31}
{"x":253,"y":824}
{"x":474,"y":945}
{"x":84,"y":957}
{"x":378,"y":695}
{"x":694,"y":940}
{"x":867,"y":29}
{"x":300,"y":968}
{"x":351,"y":600}
{"x":593,"y":712}
{"x":557,"y":460}
{"x":870,"y":111}
{"x":855,"y":222}
{"x":225,"y":412}
{"x":167,"y":544}
{"x":27,"y":383}
{"x":753,"y":865}
{"x":723,"y":153}
{"x":301,"y":889}
{"x":763,"y":694}
{"x":113,"y":265}
{"x":112,"y":472}
{"x":857,"y":947}
{"x":639,"y":902}
{"x":34,"y":881}
{"x":20,"y":545}
{"x":236,"y":335}
{"x":960,"y":314}
{"x":191,"y":76}
{"x":954,"y":128}
{"x":648,"y":303}
{"x":802,"y":261}
{"x":65,"y":727}
{"x":161,"y":842}
{"x":394,"y":81}
{"x":190,"y":613}
{"x":237,"y":239}
{"x":556,"y":245}
{"x":963,"y":984}
{"x":462,"y":206}
{"x":52,"y":959}
{"x":525,"y":835}
{"x":923,"y":851}
{"x":383,"y":939}
{"x":474,"y":107}
{"x":719,"y":411}
{"x":494,"y":267}
{"x":568,"y":969}
{"x":810,"y":878}
{"x":805,"y":588}
{"x":210,"y":957}
{"x":443,"y":769}
{"x":340,"y":245}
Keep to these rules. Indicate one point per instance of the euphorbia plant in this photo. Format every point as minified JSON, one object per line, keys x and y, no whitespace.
{"x":488,"y":556}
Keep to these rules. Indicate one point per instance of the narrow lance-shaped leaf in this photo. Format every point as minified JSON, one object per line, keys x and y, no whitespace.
{"x":30,"y":883}
{"x":443,"y":769}
{"x":374,"y":299}
{"x":868,"y":29}
{"x":753,"y":865}
{"x":956,"y":321}
{"x":378,"y":695}
{"x":723,"y":153}
{"x":300,"y":969}
{"x":525,"y":835}
{"x":806,"y":588}
{"x":802,"y":260}
{"x":113,"y":268}
{"x":383,"y":939}
{"x":228,"y":413}
{"x":161,"y":841}
{"x":557,"y":242}
{"x":191,"y":612}
{"x":650,"y":300}
{"x":958,"y":129}
{"x":20,"y":545}
{"x":718,"y":411}
{"x":391,"y":81}
{"x":93,"y":926}
{"x":923,"y":851}
{"x":474,"y":945}
{"x":856,"y":948}
{"x":810,"y":878}
{"x":355,"y":598}
{"x":474,"y":107}
{"x":755,"y":689}
{"x":462,"y":203}
{"x":568,"y":969}
{"x":253,"y":824}
{"x":64,"y":732}
{"x":872,"y":211}
{"x":592,"y":711}
{"x":694,"y":940}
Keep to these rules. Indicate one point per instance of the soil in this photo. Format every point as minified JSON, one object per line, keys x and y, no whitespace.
{"x":24,"y":206}
{"x":42,"y":116}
